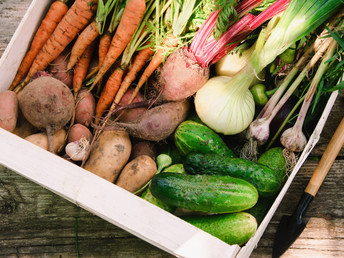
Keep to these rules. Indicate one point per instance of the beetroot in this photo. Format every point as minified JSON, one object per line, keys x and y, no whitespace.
{"x":131,"y":115}
{"x":158,"y":123}
{"x":47,"y":103}
{"x":181,"y":76}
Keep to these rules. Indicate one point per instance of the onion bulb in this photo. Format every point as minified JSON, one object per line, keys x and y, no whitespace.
{"x":233,"y":63}
{"x":224,"y":106}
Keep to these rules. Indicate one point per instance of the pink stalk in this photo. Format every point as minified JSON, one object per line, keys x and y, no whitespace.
{"x":276,"y":8}
{"x":244,"y":7}
{"x":208,"y":51}
{"x":203,"y":33}
{"x":214,"y":47}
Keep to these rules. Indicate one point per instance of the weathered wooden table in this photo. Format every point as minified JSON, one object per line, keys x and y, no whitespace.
{"x":37,"y":223}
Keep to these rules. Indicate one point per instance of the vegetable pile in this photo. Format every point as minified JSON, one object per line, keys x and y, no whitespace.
{"x":181,"y":102}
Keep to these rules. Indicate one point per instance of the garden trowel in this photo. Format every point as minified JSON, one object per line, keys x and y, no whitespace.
{"x":291,"y":227}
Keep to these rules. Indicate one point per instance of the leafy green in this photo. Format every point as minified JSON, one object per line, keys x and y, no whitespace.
{"x":227,"y":12}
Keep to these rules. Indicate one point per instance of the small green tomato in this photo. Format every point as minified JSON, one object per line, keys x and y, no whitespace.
{"x":259,"y":96}
{"x":288,"y":56}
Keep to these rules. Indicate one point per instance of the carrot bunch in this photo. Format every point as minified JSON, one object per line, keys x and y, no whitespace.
{"x":73,"y":21}
{"x":91,"y":32}
{"x":136,"y":37}
{"x":114,"y":82}
{"x":56,"y":12}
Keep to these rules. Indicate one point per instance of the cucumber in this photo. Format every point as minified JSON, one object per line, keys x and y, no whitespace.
{"x":262,"y":177}
{"x":177,"y":168}
{"x":261,"y":208}
{"x":205,"y":193}
{"x":274,"y":159}
{"x":191,"y":136}
{"x":232,"y":228}
{"x":147,"y":195}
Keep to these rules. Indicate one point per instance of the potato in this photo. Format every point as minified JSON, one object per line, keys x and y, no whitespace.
{"x":109,"y":154}
{"x":41,"y":140}
{"x":78,"y":131}
{"x":137,"y":173}
{"x":23,"y":127}
{"x":8,"y":110}
{"x":144,"y":148}
{"x":86,"y":108}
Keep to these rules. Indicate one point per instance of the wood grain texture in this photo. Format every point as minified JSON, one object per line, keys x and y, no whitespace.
{"x":37,"y":223}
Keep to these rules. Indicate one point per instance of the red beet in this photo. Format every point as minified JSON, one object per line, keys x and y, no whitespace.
{"x":181,"y":76}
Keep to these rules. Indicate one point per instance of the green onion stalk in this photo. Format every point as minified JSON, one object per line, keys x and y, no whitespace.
{"x":293,"y":139}
{"x":228,"y":107}
{"x":259,"y":129}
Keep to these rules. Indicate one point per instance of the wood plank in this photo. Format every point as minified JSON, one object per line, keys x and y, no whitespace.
{"x":37,"y":221}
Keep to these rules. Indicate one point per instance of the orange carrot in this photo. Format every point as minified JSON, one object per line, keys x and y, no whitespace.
{"x":139,"y":61}
{"x":54,"y":15}
{"x":103,"y":48}
{"x":81,"y":67}
{"x":75,"y":20}
{"x":109,"y":91}
{"x":131,"y":18}
{"x":170,"y":41}
{"x":86,"y":37}
{"x":104,"y":45}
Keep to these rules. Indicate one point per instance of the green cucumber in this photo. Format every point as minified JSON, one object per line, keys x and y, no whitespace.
{"x":232,"y":228}
{"x":176,"y":168}
{"x":274,"y":159}
{"x":191,"y":136}
{"x":147,"y":195}
{"x":205,"y":193}
{"x":261,"y":208}
{"x":262,"y":177}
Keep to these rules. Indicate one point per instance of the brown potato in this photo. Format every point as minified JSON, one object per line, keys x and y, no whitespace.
{"x":137,"y":173}
{"x":144,"y":148}
{"x":41,"y":140}
{"x":109,"y":154}
{"x":23,"y":127}
{"x":8,"y":110}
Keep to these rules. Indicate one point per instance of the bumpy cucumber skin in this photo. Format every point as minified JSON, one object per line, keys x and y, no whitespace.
{"x":261,"y":208}
{"x":232,"y":228}
{"x":191,"y":136}
{"x":274,"y":159}
{"x":147,"y":195}
{"x":262,"y":177}
{"x":205,"y":193}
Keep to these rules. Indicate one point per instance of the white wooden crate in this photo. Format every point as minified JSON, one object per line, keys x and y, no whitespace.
{"x":96,"y":195}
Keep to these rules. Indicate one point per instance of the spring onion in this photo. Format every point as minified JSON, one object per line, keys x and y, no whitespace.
{"x":229,"y":108}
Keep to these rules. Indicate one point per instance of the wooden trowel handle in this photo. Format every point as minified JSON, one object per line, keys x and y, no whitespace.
{"x":326,"y":160}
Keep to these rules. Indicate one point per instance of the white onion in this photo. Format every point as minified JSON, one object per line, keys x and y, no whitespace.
{"x":233,"y":63}
{"x":224,"y":106}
